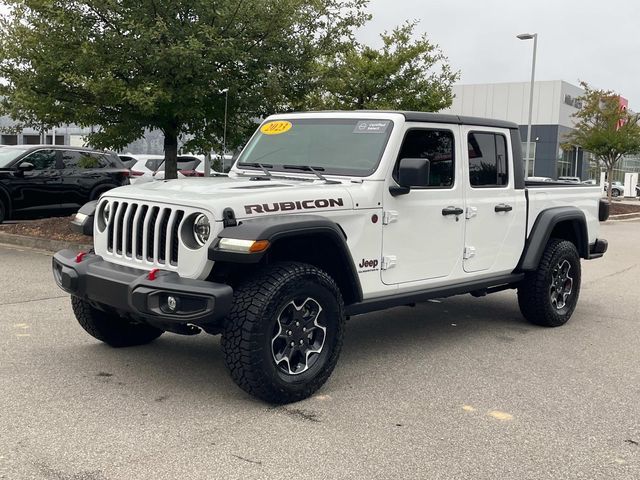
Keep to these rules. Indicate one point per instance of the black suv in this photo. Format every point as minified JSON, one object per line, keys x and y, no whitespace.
{"x":40,"y":178}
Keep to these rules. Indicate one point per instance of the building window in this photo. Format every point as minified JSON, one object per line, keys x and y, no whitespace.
{"x":567,"y":163}
{"x":9,"y":140}
{"x":31,"y":139}
{"x":59,"y":139}
{"x":532,"y":157}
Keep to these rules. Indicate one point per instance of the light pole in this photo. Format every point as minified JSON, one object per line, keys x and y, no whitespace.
{"x":224,"y":135}
{"x":534,"y":37}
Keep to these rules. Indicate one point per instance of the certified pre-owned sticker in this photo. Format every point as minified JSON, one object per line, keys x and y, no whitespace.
{"x":371,"y":126}
{"x":276,"y":128}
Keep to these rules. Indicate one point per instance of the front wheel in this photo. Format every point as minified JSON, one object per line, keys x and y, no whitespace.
{"x":284,"y":333}
{"x":549,"y":295}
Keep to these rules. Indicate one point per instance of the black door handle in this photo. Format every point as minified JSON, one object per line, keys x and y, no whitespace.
{"x":503,"y":207}
{"x":452,"y":211}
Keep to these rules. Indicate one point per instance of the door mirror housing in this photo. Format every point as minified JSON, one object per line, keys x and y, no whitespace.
{"x":412,"y":172}
{"x":26,"y":167}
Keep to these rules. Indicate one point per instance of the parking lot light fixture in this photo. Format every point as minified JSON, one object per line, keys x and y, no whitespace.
{"x":534,"y":37}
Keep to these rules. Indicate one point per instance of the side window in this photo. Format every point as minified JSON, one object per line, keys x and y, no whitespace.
{"x":487,"y":160}
{"x":78,"y":159}
{"x":153,"y":164}
{"x":437,"y":147}
{"x":42,"y":159}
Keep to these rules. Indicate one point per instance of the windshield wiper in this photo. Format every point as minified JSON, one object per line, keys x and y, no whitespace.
{"x":314,"y":170}
{"x":262,"y":166}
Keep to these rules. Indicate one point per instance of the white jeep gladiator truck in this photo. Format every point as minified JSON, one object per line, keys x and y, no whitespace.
{"x":327,"y":215}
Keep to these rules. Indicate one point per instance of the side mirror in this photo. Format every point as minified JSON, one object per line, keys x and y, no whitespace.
{"x":412,"y":172}
{"x":26,"y":167}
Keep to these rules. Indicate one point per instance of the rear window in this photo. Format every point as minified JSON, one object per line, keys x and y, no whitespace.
{"x":184,"y":164}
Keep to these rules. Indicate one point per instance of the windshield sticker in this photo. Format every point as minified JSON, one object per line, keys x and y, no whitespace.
{"x":276,"y":128}
{"x":371,"y":126}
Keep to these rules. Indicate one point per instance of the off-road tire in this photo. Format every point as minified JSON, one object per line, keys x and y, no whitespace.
{"x":110,"y":328}
{"x":534,"y":296}
{"x":258,"y":305}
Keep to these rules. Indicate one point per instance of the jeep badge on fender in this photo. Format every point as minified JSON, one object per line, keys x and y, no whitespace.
{"x":278,"y":254}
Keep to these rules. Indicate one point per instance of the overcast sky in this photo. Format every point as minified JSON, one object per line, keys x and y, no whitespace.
{"x":593,"y":40}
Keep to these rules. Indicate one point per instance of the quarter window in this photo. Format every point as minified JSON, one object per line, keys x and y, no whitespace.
{"x":435,"y":146}
{"x":487,"y":160}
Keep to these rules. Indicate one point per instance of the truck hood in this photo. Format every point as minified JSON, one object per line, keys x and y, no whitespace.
{"x":248,"y":198}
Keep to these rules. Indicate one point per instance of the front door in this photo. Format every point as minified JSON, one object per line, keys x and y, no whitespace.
{"x":424,"y":229}
{"x":495,"y":209}
{"x":38,"y":188}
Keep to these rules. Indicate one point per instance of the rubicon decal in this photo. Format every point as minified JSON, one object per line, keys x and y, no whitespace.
{"x":290,"y":206}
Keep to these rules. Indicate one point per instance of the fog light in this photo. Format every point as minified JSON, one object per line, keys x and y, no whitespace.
{"x":172,"y":303}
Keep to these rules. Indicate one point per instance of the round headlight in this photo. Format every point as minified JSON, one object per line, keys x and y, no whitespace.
{"x":201,"y":229}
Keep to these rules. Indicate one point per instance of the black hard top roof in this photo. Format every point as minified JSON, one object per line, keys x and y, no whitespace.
{"x":431,"y":117}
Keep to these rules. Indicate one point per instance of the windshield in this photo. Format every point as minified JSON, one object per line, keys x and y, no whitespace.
{"x":340,"y":146}
{"x":9,"y":154}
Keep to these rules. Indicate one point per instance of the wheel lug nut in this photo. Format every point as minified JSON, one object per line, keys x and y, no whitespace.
{"x":297,"y":324}
{"x":292,"y":344}
{"x":301,"y":342}
{"x":289,"y":332}
{"x":304,"y":329}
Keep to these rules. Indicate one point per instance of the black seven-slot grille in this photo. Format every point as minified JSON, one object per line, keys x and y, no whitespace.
{"x":147,"y":233}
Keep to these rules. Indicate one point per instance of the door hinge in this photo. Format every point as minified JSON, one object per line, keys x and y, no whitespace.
{"x":389,"y":216}
{"x":469,"y":252}
{"x":388,"y":262}
{"x":471,"y":212}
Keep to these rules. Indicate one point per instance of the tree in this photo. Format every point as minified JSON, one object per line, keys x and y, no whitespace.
{"x":129,"y":65}
{"x":605,"y":129}
{"x":405,"y":74}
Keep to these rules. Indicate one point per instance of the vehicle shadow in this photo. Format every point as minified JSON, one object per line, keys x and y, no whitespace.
{"x":193,"y":366}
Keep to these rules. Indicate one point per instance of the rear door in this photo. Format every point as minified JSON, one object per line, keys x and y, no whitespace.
{"x":85,"y":173}
{"x":422,"y":235}
{"x":495,"y":210}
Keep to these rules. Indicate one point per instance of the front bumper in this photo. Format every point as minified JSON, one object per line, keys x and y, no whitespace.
{"x":130,"y":290}
{"x":597,"y":249}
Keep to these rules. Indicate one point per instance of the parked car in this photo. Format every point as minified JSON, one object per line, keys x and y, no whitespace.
{"x":127,"y":161}
{"x":187,"y":167}
{"x":325,"y":216}
{"x":143,"y":166}
{"x":570,"y":179}
{"x":42,"y":178}
{"x":590,"y":182}
{"x":617,"y":189}
{"x":539,"y":179}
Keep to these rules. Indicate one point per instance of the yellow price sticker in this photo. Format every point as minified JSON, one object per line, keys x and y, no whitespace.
{"x":276,"y":128}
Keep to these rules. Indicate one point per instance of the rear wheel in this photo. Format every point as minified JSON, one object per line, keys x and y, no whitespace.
{"x":549,"y":295}
{"x":111,"y":328}
{"x":284,"y":333}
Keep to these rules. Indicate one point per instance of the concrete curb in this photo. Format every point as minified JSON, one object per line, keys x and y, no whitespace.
{"x":41,"y":243}
{"x":624,"y":216}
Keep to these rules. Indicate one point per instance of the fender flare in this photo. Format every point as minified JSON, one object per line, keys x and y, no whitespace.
{"x":541,"y":233}
{"x":279,"y":227}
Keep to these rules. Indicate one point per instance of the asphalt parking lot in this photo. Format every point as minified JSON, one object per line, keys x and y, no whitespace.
{"x":464,"y":388}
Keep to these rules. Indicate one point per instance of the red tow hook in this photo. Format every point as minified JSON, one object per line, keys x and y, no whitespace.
{"x":153,"y":274}
{"x":80,"y":256}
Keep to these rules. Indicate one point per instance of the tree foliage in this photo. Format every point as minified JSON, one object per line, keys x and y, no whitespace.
{"x":405,"y":74}
{"x":129,"y":65}
{"x":605,"y":129}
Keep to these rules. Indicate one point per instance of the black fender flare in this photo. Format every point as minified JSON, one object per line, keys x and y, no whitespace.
{"x":279,"y":227}
{"x":541,"y":233}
